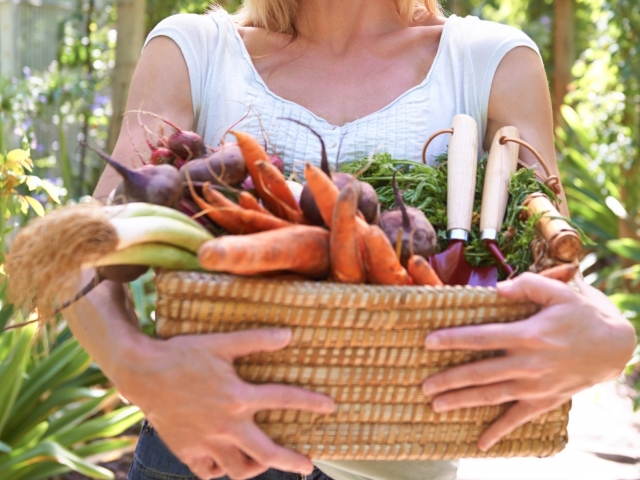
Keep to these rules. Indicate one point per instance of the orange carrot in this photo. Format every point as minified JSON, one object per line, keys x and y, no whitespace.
{"x":233,"y":218}
{"x":278,"y":198}
{"x":249,"y":202}
{"x":381,"y":261}
{"x":422,"y":273}
{"x":324,"y":191}
{"x":298,"y":248}
{"x":253,"y":153}
{"x":564,"y":272}
{"x":215,"y":198}
{"x":347,"y":264}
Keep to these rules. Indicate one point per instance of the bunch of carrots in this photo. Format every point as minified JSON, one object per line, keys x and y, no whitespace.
{"x":273,"y":236}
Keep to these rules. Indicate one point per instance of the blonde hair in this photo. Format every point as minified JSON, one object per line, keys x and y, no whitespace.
{"x":280,"y":15}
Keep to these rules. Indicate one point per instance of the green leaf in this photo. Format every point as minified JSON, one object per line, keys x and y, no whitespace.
{"x":51,"y":190}
{"x":57,"y":400}
{"x":12,"y":371}
{"x":111,"y":424}
{"x":4,"y":448}
{"x":20,"y":157}
{"x":64,"y":362}
{"x":19,"y":459}
{"x":74,"y":416}
{"x":6,"y":312}
{"x":626,"y":301}
{"x":33,"y":436}
{"x":32,"y":182}
{"x":36,"y":205}
{"x":626,"y":248}
{"x":123,"y":444}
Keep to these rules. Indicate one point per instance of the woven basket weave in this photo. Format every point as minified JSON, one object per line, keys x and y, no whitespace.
{"x":362,"y":345}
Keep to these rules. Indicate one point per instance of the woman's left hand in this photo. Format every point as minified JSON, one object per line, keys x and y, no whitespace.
{"x":574,"y":342}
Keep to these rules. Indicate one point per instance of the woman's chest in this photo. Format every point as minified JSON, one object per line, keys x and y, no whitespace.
{"x":344,"y":86}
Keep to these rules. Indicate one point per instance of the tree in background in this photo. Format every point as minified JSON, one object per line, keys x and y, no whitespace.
{"x":130,"y":26}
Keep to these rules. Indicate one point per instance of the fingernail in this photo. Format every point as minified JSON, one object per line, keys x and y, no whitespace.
{"x":428,"y":389}
{"x":439,"y":406}
{"x":329,"y":407}
{"x":505,"y":286}
{"x":485,"y":446}
{"x":432,"y":341}
{"x":282,"y":335}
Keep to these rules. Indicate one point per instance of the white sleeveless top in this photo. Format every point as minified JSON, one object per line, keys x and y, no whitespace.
{"x":225,"y":84}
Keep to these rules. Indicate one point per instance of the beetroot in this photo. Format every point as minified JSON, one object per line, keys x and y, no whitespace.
{"x":187,"y":145}
{"x":417,"y":231}
{"x":277,"y":161}
{"x":225,"y":166}
{"x":161,"y":155}
{"x":159,"y":184}
{"x":368,"y":199}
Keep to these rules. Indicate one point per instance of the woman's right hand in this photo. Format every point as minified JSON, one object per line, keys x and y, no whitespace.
{"x":189,"y":391}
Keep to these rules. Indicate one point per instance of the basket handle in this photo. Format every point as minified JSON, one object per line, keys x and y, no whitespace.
{"x":552,"y":181}
{"x":434,"y":135}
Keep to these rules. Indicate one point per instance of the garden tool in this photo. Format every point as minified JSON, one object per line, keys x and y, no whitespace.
{"x":563,"y":241}
{"x":501,"y":165}
{"x":450,"y":265}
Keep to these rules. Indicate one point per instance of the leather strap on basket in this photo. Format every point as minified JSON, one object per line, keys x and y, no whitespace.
{"x":552,"y":181}
{"x":434,"y":135}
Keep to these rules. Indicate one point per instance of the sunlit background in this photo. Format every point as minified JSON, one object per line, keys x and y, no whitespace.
{"x":64,"y":75}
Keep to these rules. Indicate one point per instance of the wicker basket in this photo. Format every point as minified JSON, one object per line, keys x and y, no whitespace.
{"x":362,"y":345}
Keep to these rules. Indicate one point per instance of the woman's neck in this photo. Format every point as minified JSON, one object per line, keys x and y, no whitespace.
{"x":336,"y":23}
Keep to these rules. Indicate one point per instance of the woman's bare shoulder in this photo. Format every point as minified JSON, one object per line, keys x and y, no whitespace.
{"x":260,"y":42}
{"x":431,"y":21}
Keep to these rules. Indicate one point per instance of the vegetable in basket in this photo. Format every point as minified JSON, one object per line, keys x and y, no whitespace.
{"x":47,"y":256}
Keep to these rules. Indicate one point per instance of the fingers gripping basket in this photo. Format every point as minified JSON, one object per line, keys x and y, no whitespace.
{"x":362,"y":345}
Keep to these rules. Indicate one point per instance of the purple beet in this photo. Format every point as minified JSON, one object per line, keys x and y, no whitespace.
{"x":368,"y":199}
{"x":417,"y":231}
{"x":157,"y":184}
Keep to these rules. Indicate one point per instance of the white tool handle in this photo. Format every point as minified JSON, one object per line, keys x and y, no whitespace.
{"x":502,"y":164}
{"x":461,"y":178}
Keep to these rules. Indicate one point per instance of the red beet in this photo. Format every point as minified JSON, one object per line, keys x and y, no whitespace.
{"x":277,"y":161}
{"x":161,"y":156}
{"x":187,"y":145}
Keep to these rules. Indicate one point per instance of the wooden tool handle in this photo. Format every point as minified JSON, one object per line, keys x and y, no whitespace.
{"x":502,"y":163}
{"x":462,"y":168}
{"x":563,"y":240}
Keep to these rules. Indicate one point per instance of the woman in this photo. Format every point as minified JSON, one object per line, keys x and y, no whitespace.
{"x":360,"y":72}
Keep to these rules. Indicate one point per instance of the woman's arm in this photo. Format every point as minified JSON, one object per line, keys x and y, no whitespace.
{"x":520,"y":98}
{"x":574,"y":342}
{"x":186,"y":386}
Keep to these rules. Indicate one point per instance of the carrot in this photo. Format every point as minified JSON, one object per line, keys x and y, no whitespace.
{"x":298,"y":248}
{"x":324,"y":191}
{"x":279,"y":199}
{"x":422,"y":273}
{"x":381,"y":261}
{"x":564,"y":272}
{"x":217,"y":199}
{"x":347,"y":264}
{"x":253,"y":153}
{"x":233,"y":218}
{"x":249,"y":202}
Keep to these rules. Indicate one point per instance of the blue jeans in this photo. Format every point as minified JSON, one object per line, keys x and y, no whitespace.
{"x":154,"y":461}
